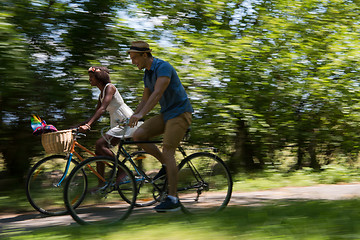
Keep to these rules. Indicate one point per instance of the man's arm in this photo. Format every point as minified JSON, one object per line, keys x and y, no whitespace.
{"x":160,"y":86}
{"x":144,"y":99}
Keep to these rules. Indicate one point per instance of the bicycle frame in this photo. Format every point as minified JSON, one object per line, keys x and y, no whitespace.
{"x":127,"y":157}
{"x":121,"y":151}
{"x":71,"y":153}
{"x":144,"y":184}
{"x":160,"y":188}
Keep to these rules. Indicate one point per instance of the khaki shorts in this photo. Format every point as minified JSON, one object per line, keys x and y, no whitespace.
{"x":173,"y":130}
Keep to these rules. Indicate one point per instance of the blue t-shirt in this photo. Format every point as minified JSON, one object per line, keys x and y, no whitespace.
{"x":174,"y":100}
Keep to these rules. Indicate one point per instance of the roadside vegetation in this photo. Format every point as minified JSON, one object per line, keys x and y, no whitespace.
{"x":280,"y":220}
{"x":276,"y":220}
{"x":13,"y":198}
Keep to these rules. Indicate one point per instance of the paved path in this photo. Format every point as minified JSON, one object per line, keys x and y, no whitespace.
{"x":318,"y":192}
{"x":17,"y":223}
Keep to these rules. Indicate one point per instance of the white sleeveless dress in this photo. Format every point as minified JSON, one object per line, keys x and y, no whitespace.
{"x":118,"y":111}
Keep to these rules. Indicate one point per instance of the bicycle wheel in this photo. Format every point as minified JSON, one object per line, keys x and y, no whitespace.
{"x":204,"y":183}
{"x":43,"y":188}
{"x":147,"y":194}
{"x":102,"y":203}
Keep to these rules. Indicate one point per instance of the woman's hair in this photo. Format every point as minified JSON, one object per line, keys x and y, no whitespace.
{"x":102,"y":74}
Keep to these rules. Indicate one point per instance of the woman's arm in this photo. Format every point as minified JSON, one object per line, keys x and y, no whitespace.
{"x":101,"y":107}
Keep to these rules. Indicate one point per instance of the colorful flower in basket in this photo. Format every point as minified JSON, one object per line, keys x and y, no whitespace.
{"x":39,"y":126}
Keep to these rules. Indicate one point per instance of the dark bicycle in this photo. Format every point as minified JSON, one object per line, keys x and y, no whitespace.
{"x":204,"y":184}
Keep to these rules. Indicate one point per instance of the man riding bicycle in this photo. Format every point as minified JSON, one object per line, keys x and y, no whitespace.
{"x":162,"y":85}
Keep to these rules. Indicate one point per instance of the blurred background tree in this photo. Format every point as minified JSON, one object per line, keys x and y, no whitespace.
{"x":46,"y":48}
{"x":265,"y":77}
{"x":271,"y":75}
{"x":15,"y":81}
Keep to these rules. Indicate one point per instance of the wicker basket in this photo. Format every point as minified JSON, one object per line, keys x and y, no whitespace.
{"x":57,"y":142}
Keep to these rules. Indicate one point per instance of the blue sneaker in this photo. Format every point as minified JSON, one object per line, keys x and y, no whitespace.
{"x":168,"y":206}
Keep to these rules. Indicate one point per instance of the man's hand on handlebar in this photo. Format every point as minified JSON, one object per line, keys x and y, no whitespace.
{"x":134,"y":119}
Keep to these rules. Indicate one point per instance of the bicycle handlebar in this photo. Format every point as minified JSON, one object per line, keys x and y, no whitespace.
{"x":77,"y":133}
{"x":123,"y":123}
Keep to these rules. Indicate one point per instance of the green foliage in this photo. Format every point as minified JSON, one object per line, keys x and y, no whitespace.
{"x":275,"y":178}
{"x":289,"y":70}
{"x":262,"y":75}
{"x":15,"y":95}
{"x":46,"y":48}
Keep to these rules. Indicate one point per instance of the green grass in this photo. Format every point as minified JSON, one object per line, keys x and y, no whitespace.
{"x":283,"y":220}
{"x":273,"y":178}
{"x":277,"y":220}
{"x":14,"y":200}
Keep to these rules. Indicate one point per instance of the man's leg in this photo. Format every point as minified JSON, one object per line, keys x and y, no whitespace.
{"x":171,"y":202}
{"x":175,"y":130}
{"x":171,"y":169}
{"x":149,"y":129}
{"x":140,"y":135}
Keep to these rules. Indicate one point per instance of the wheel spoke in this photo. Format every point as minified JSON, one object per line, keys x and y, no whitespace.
{"x":147,"y":193}
{"x":103,"y":201}
{"x":44,"y":188}
{"x":204,"y":184}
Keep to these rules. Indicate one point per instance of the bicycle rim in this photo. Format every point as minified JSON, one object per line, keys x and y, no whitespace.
{"x":102,"y":203}
{"x":147,"y":194}
{"x":204,"y":184}
{"x":43,"y":188}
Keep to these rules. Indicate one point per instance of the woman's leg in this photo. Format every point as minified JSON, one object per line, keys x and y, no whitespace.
{"x":102,"y":149}
{"x":102,"y":146}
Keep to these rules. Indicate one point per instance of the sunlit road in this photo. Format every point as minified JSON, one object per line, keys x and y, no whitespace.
{"x":16,"y":223}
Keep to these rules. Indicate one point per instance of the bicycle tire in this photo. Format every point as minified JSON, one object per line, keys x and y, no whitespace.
{"x":147,"y":194}
{"x":42,"y":189}
{"x":102,"y":203}
{"x":204,"y":184}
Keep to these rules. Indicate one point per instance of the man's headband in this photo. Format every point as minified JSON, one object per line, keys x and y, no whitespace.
{"x":139,"y":49}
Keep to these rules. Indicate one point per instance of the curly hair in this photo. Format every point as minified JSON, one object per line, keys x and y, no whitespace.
{"x":102,"y":74}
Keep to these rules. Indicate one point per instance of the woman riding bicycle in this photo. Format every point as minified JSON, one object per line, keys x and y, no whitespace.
{"x":109,"y":100}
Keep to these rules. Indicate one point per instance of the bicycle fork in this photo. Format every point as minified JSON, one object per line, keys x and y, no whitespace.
{"x":200,"y":184}
{"x":65,"y":172}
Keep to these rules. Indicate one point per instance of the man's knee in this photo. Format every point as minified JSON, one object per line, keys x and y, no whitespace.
{"x":140,"y":135}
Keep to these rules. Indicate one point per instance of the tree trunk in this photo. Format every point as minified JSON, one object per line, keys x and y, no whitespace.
{"x":243,"y":155}
{"x":17,"y":151}
{"x":313,"y":159}
{"x":300,"y":154}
